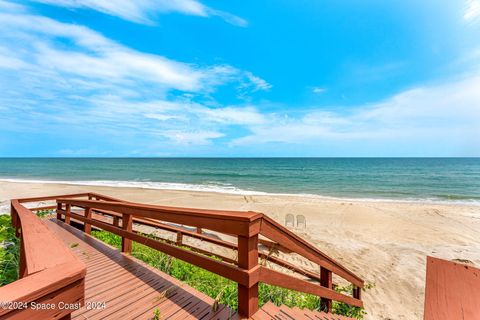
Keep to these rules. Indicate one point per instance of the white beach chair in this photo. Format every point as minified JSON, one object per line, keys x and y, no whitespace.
{"x":301,"y":221}
{"x":289,"y":220}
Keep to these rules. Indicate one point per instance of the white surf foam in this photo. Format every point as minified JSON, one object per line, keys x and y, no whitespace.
{"x":230,"y":189}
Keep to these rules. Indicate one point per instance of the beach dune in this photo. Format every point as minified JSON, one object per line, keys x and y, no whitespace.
{"x":384,"y":242}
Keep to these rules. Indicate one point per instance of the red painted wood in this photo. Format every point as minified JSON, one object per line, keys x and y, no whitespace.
{"x":87,"y":227}
{"x":36,"y":199}
{"x":245,"y":225}
{"x":49,"y":272}
{"x":326,"y":281}
{"x":247,"y":259}
{"x":127,"y":224}
{"x":59,"y":207}
{"x":277,"y":278}
{"x":223,"y":269}
{"x":276,"y":232}
{"x":452,"y":291}
{"x":67,"y":216}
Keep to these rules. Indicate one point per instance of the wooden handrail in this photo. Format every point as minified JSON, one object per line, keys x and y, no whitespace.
{"x":275,"y":231}
{"x":46,"y":198}
{"x":223,"y":269}
{"x":207,"y":238}
{"x":246,"y":226}
{"x":50,"y":276}
{"x":231,"y":222}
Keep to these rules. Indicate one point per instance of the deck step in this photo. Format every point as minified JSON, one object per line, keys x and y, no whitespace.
{"x":282,"y":312}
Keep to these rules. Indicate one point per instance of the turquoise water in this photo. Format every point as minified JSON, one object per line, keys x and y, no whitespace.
{"x":447,"y":179}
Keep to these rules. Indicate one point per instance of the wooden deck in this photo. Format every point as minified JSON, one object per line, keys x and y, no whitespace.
{"x":130,"y":288}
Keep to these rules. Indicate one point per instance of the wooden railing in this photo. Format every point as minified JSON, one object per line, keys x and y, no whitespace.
{"x":52,"y":279}
{"x":250,"y":229}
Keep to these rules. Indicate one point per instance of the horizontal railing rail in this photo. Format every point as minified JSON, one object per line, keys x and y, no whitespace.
{"x":105,"y":213}
{"x":49,"y":272}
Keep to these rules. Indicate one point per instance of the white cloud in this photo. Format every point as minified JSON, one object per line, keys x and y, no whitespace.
{"x":98,"y":57}
{"x":58,"y":75}
{"x":448,"y":112}
{"x":231,"y":115}
{"x":192,"y":137}
{"x":258,"y":83}
{"x":318,"y":90}
{"x":472,"y":10}
{"x":145,"y":11}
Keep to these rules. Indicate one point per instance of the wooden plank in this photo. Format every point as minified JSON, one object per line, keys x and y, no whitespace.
{"x":43,"y":283}
{"x":234,"y":222}
{"x":125,"y":296}
{"x":46,"y":198}
{"x":285,"y":281}
{"x":35,"y":238}
{"x":452,"y":291}
{"x":63,"y":302}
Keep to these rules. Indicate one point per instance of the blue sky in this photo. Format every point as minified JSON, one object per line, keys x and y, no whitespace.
{"x":239,"y":78}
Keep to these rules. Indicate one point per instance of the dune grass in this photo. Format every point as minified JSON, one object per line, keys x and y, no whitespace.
{"x":9,"y":251}
{"x":223,"y":290}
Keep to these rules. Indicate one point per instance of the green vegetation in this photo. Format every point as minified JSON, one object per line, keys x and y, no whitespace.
{"x":9,"y":251}
{"x":156,"y":314}
{"x":44,"y":213}
{"x":10,"y":248}
{"x":223,"y":290}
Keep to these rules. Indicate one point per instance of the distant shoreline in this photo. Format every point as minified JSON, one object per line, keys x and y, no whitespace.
{"x":180,"y":187}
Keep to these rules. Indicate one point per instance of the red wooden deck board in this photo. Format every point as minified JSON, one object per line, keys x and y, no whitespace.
{"x":131,"y":288}
{"x":452,"y":291}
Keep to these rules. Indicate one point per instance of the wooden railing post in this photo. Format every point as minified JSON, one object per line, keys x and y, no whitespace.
{"x":59,"y":207}
{"x":247,"y":259}
{"x":67,"y":213}
{"x":357,"y":293}
{"x":87,"y":227}
{"x":326,"y":281}
{"x":115,"y":221}
{"x":179,"y":238}
{"x":127,"y":224}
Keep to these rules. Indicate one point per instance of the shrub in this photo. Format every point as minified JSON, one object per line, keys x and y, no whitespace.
{"x":9,"y":251}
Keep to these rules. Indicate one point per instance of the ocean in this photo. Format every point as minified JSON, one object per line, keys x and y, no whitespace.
{"x":412,"y":179}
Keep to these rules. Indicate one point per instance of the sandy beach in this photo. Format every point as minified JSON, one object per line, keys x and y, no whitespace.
{"x":385,"y":243}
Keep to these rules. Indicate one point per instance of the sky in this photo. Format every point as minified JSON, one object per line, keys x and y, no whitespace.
{"x":198,"y":78}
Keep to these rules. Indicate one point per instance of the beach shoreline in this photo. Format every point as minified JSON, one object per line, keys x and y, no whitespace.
{"x":181,"y":187}
{"x":384,"y":242}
